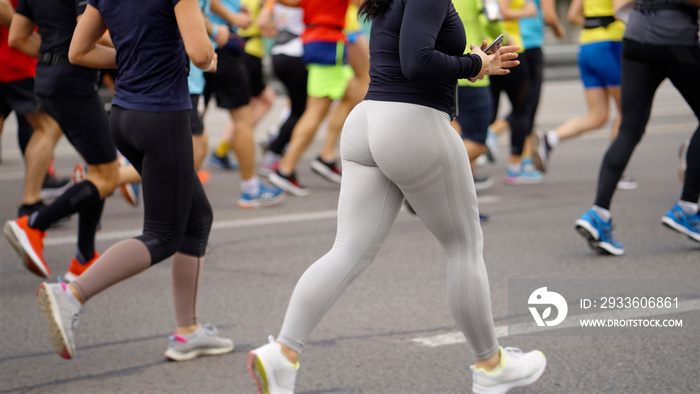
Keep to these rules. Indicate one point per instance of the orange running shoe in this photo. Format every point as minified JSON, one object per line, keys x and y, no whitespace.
{"x":29,"y":243}
{"x":76,"y":269}
{"x":203,"y":176}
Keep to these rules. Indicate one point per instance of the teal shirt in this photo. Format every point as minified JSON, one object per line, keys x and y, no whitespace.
{"x":532,"y":29}
{"x":195,"y":81}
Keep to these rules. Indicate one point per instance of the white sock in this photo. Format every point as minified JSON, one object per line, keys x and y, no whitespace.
{"x":552,"y":138}
{"x":688,"y":207}
{"x":602,"y":213}
{"x":271,"y":158}
{"x":251,"y":186}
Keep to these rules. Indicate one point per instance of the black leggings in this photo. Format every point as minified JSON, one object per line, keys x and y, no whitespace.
{"x":177,"y":214}
{"x":292,"y":72}
{"x":516,"y":85}
{"x":535,"y":67}
{"x":644,"y":67}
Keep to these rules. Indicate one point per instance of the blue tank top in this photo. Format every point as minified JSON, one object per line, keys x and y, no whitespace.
{"x":152,"y":65}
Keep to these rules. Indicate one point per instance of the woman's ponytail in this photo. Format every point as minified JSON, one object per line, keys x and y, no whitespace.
{"x":371,"y":9}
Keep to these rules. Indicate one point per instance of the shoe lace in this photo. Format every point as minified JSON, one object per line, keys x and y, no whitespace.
{"x":607,"y":229}
{"x":514,"y":352}
{"x":211,"y":330}
{"x":271,"y":339}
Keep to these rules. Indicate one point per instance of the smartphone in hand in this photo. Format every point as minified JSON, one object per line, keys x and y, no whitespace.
{"x":494,"y":46}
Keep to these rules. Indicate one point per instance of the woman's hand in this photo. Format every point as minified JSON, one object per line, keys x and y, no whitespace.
{"x":497,"y":63}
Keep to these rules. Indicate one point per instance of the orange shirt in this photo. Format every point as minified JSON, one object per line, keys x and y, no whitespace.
{"x":324,"y":20}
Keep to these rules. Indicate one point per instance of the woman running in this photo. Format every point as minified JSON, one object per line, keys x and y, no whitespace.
{"x":399,"y":143}
{"x":150,"y":123}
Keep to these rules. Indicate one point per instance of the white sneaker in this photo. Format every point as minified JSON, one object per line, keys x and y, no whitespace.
{"x":272,"y":371}
{"x":205,"y":341}
{"x":517,"y":369}
{"x":61,"y":309}
{"x":627,"y":183}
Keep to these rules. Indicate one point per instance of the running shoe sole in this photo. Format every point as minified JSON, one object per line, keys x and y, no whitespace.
{"x":243,"y":204}
{"x":176,"y":356}
{"x":522,"y":181}
{"x":502,"y":389}
{"x":18,"y":239}
{"x":591,"y":235}
{"x":49,"y":307}
{"x":673,"y":225}
{"x":257,"y":371}
{"x":324,"y":172}
{"x":538,"y":154}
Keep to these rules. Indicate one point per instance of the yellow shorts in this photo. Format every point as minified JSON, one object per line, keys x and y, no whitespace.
{"x":328,"y":80}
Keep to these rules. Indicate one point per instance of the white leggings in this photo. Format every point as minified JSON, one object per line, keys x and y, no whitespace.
{"x":390,"y":150}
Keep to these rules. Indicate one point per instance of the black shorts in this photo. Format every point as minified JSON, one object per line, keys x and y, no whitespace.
{"x":19,"y":95}
{"x":5,"y":108}
{"x":196,"y":120}
{"x":84,"y":123}
{"x":231,"y":82}
{"x":255,"y":71}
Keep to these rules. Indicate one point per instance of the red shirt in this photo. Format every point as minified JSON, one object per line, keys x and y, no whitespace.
{"x":324,"y":20}
{"x":14,"y":65}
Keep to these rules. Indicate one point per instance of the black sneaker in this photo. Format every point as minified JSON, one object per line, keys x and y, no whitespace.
{"x":223,"y":162}
{"x":326,"y":169}
{"x":54,"y":187}
{"x":288,"y":183}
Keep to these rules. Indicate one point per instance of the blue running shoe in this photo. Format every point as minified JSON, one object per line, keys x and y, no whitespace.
{"x":267,"y":196}
{"x":222,"y":162}
{"x":598,"y":233}
{"x":676,"y":219}
{"x":524,"y":177}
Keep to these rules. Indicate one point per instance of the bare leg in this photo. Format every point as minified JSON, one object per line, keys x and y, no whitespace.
{"x":38,"y":154}
{"x":597,"y":101}
{"x":354,"y":93}
{"x":243,"y":143}
{"x":304,"y":131}
{"x":262,"y":103}
{"x":105,"y":177}
{"x":128,"y":174}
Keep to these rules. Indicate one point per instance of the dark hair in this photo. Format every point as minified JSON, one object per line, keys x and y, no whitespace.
{"x":371,"y":9}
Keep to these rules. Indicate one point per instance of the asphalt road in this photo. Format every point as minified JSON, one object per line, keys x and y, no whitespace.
{"x":367,"y":342}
